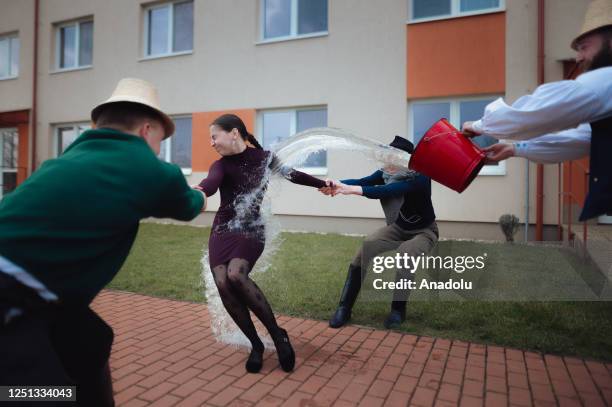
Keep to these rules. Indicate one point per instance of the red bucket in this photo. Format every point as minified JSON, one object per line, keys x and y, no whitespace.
{"x":447,"y":156}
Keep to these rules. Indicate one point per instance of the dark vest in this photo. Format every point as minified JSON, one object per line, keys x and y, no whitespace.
{"x":599,"y":200}
{"x":417,"y":211}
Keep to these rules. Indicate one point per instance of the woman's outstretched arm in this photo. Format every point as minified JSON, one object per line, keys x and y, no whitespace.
{"x":212,"y":182}
{"x":297,"y":177}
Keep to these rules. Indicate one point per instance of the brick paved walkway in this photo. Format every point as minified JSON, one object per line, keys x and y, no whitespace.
{"x":165,"y":355}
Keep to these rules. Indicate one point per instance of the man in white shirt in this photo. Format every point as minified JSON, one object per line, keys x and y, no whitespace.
{"x":565,"y":120}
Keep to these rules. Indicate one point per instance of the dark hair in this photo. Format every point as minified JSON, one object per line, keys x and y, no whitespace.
{"x":126,"y":115}
{"x":604,"y":57}
{"x":228,"y":122}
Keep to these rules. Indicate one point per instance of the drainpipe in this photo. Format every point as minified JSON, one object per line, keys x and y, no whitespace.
{"x":527,"y":164}
{"x":540,"y":167}
{"x":34,"y":85}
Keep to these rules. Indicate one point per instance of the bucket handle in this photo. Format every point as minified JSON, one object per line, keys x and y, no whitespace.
{"x":429,"y":138}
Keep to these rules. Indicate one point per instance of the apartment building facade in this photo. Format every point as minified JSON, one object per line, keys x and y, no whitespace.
{"x":376,"y":69}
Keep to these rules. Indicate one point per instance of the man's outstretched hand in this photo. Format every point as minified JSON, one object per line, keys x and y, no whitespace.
{"x":499,"y":152}
{"x":469,"y":130}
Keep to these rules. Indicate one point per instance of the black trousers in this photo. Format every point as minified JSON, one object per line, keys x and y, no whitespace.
{"x":53,"y":345}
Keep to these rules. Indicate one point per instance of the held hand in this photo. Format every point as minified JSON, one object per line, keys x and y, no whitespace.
{"x":347,"y":189}
{"x":468,"y":130}
{"x":329,"y":187}
{"x":499,"y":152}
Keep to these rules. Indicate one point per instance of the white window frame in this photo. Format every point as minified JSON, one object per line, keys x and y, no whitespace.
{"x":11,"y":37}
{"x":76,"y":127}
{"x":58,"y":45}
{"x":455,"y":12}
{"x":293,"y":25}
{"x":169,"y":53}
{"x":455,"y":116}
{"x":166,"y":146}
{"x":292,"y":131}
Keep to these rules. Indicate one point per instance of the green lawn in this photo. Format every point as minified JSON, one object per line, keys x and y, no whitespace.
{"x":309,"y":270}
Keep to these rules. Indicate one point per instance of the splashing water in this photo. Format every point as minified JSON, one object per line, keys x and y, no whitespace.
{"x":295,"y":150}
{"x":291,"y":153}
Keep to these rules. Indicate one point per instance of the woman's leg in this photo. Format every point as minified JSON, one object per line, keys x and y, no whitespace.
{"x":238,"y":275}
{"x":235,"y":307}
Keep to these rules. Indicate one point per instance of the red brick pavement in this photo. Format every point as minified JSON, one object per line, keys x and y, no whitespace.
{"x":165,"y":355}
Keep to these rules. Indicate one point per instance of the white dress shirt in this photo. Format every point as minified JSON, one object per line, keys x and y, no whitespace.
{"x":552,"y":107}
{"x":565,"y":145}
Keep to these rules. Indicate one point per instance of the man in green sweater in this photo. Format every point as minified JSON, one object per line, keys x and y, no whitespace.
{"x":65,"y":233}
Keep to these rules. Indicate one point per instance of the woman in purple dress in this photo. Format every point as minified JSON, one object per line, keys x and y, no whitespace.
{"x":237,"y":236}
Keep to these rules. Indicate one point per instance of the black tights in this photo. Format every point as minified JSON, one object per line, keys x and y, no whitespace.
{"x":239,"y":295}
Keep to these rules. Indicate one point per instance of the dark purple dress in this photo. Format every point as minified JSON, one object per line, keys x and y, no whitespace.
{"x":238,"y":230}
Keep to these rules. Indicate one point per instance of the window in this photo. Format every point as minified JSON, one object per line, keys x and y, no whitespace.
{"x":74,"y":45}
{"x":177,"y":149}
{"x":423,"y":10}
{"x":422,"y":115}
{"x":277,"y":125}
{"x":168,"y":29}
{"x":284,"y":19}
{"x":9,"y":150}
{"x":65,"y":134}
{"x":9,"y":56}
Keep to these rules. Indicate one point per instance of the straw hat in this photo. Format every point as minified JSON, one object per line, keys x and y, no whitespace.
{"x":598,"y":15}
{"x":136,"y":91}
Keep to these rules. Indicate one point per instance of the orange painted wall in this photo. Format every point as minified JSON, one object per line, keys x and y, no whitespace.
{"x":203,"y":155}
{"x":460,"y":56}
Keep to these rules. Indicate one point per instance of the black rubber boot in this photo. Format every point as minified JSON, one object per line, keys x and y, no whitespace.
{"x":352,"y":285}
{"x":397,"y":315}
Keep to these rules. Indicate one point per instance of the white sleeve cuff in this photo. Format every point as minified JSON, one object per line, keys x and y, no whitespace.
{"x":521,"y":149}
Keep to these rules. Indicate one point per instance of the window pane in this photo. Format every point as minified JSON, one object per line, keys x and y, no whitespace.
{"x":158,"y":31}
{"x":4,"y":57}
{"x":183,"y":27}
{"x":83,"y":127}
{"x":163,"y":150}
{"x":277,"y":18}
{"x":312,"y":16}
{"x":85,"y":43}
{"x":67,"y":46}
{"x":14,"y":56}
{"x":10,"y":149}
{"x":276,"y":127}
{"x":425,"y":115}
{"x":473,"y":110}
{"x":307,"y":119}
{"x":430,"y":8}
{"x":181,"y":143}
{"x":65,"y":137}
{"x":473,"y":5}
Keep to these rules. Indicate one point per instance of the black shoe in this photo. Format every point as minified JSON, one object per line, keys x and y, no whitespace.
{"x":255,"y":360}
{"x":340,"y":317}
{"x":394,"y":319}
{"x":286,"y":355}
{"x":351,"y":288}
